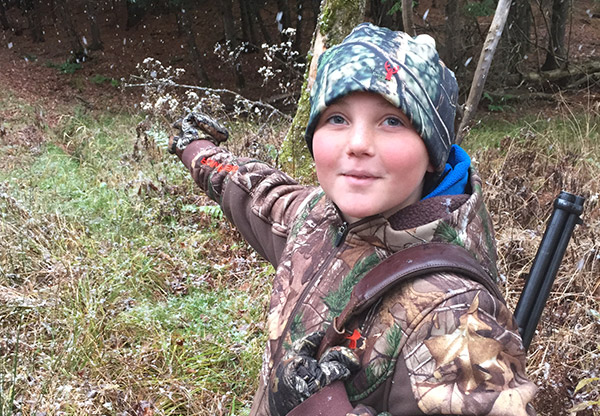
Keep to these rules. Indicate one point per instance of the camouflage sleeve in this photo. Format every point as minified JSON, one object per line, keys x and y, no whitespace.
{"x":463,"y":354}
{"x":259,"y":200}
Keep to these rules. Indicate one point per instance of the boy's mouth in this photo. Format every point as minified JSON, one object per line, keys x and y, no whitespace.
{"x":359,"y":174}
{"x":359,"y":177}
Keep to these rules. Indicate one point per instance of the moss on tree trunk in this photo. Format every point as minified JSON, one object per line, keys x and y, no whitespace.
{"x":336,"y":20}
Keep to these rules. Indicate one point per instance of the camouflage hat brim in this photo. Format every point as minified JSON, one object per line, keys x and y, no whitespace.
{"x":406,"y":71}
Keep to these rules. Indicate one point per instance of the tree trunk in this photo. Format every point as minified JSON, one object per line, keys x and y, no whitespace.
{"x":31,"y":8}
{"x":451,"y":51}
{"x":192,"y":47}
{"x":52,"y":8}
{"x":263,"y":28}
{"x":556,"y":57}
{"x":226,"y":7}
{"x":378,"y":11}
{"x":518,"y":31}
{"x":407,"y":17}
{"x":483,"y":67}
{"x":77,"y":51}
{"x":135,"y":13}
{"x":337,"y":18}
{"x":3,"y":19}
{"x":299,"y":24}
{"x":91,"y":9}
{"x":283,"y":16}
{"x":248,"y":30}
{"x":316,"y":7}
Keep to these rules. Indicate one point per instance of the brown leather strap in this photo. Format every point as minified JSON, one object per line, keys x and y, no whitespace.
{"x":400,"y":267}
{"x":331,"y":400}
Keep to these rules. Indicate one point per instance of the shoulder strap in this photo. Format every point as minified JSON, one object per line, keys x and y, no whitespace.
{"x":400,"y":267}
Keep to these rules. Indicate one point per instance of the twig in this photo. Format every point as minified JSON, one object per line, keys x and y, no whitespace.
{"x":237,"y":96}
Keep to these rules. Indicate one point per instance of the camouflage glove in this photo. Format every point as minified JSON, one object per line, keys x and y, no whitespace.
{"x":196,"y":126}
{"x":299,"y":374}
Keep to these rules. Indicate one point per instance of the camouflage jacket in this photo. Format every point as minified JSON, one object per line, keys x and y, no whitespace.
{"x":436,"y":345}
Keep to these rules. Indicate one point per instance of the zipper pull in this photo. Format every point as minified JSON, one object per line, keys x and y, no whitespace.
{"x":341,"y":235}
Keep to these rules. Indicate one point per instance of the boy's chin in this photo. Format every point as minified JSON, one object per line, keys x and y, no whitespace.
{"x":353,"y":215}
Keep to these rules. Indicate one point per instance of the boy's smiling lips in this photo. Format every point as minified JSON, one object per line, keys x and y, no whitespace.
{"x":359,"y":176}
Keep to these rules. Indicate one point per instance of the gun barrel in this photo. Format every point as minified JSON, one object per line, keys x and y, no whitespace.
{"x":567,"y":208}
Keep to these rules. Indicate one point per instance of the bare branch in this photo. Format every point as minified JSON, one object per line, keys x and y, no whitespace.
{"x":238,"y":97}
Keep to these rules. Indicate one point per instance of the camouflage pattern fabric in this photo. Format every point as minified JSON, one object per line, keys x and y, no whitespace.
{"x":300,"y":375}
{"x":437,"y":345}
{"x":196,"y":126}
{"x":406,"y":71}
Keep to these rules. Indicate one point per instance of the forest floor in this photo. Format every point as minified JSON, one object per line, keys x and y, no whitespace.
{"x":34,"y":69}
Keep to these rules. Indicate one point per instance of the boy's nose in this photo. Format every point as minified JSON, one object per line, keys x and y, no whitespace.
{"x":360,"y":141}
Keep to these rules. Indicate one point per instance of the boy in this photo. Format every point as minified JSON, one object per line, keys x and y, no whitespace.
{"x":381,"y":130}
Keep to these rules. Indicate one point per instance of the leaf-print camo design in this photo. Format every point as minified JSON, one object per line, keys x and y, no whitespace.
{"x":437,"y":345}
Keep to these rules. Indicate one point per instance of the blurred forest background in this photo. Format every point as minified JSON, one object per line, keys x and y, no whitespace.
{"x":546,"y":44}
{"x":123,"y":291}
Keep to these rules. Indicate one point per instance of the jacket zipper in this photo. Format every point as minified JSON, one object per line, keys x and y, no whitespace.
{"x":341,"y":235}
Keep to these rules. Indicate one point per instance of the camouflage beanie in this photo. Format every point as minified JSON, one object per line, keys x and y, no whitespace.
{"x":406,"y":71}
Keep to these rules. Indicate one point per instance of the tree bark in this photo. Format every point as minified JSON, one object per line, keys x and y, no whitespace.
{"x":135,"y":13}
{"x":91,"y":9}
{"x":560,"y":74}
{"x":3,"y":19}
{"x":483,"y":67}
{"x":284,"y":19}
{"x":261,"y":25}
{"x":226,"y":7}
{"x":77,"y":50}
{"x":248,"y":30}
{"x":450,"y":52}
{"x":556,"y":56}
{"x":299,"y":24}
{"x":337,"y":18}
{"x":518,"y":30}
{"x":31,"y":10}
{"x":407,"y":17}
{"x":192,"y":46}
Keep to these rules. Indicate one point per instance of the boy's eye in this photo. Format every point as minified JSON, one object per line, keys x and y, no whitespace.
{"x":336,"y":119}
{"x":393,"y":121}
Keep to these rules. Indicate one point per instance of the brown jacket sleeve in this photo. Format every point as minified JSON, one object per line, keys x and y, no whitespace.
{"x":259,"y":200}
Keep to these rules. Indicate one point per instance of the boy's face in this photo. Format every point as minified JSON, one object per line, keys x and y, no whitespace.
{"x":368,"y":157}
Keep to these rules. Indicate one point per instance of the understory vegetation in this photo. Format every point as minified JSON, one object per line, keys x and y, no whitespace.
{"x":123,"y":290}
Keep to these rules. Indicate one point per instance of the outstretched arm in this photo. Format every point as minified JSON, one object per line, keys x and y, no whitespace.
{"x":262,"y":202}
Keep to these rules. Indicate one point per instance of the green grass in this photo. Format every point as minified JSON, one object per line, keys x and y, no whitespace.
{"x":120,"y":285}
{"x":66,"y":67}
{"x":111,"y":270}
{"x":571,"y":132}
{"x":101,"y":79}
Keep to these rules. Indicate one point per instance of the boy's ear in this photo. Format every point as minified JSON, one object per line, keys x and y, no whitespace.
{"x":430,"y":168}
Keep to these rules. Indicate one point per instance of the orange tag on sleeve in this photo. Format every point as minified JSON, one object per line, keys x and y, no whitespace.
{"x":353,"y":338}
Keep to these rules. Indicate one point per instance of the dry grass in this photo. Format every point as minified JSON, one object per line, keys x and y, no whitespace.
{"x":120,"y":296}
{"x":531,"y":165}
